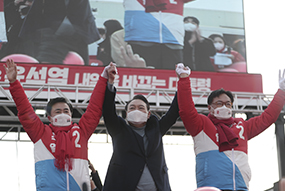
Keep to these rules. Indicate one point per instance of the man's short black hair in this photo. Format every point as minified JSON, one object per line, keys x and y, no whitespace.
{"x":194,"y":19}
{"x":219,"y":92}
{"x":140,"y":97}
{"x":57,"y":100}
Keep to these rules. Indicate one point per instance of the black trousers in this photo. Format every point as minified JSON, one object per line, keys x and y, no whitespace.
{"x":159,"y":55}
{"x":53,"y":48}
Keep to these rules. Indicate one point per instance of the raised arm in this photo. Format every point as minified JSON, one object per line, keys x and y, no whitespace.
{"x":111,"y":119}
{"x":28,"y":118}
{"x":187,"y":111}
{"x":170,"y":117}
{"x":260,"y":123}
{"x":93,"y":113}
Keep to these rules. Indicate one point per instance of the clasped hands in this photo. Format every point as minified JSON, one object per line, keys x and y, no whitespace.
{"x":182,"y":71}
{"x":110,"y":72}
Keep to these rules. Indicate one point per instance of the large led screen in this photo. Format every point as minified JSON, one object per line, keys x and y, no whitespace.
{"x":206,"y":35}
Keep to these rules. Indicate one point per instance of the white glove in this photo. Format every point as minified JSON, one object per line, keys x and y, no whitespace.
{"x":282,"y":80}
{"x":104,"y":74}
{"x":181,"y":69}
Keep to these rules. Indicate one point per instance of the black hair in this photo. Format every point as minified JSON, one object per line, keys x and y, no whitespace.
{"x":213,"y":36}
{"x":112,"y":26}
{"x":219,"y":92}
{"x":57,"y":100}
{"x":194,"y":19}
{"x":140,"y":97}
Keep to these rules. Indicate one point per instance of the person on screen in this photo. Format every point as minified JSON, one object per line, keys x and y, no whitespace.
{"x":226,"y":57}
{"x":93,"y":48}
{"x":197,"y":49}
{"x":104,"y":48}
{"x":15,"y":12}
{"x":220,"y":141}
{"x":155,"y":31}
{"x":117,"y":40}
{"x":59,"y":27}
{"x":60,"y":148}
{"x":239,"y":46}
{"x":138,"y":161}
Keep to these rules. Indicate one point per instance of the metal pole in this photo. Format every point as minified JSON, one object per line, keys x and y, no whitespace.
{"x":280,"y":141}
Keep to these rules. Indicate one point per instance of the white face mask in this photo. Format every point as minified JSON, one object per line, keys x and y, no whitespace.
{"x":61,"y":120}
{"x":222,"y":112}
{"x":189,"y":27}
{"x":137,"y":117}
{"x":219,"y":46}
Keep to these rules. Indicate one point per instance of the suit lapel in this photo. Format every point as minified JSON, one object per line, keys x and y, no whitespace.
{"x":152,"y":135}
{"x":138,"y":139}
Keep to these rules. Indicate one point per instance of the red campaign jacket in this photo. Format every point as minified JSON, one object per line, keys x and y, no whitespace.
{"x":214,"y":168}
{"x":47,"y":176}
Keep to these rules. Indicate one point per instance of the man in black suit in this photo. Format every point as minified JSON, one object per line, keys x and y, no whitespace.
{"x":138,"y":161}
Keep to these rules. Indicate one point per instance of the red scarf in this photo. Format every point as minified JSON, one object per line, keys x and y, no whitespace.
{"x":155,"y":5}
{"x":227,"y":138}
{"x":64,"y":147}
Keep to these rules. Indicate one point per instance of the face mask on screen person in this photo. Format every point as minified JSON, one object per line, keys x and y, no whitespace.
{"x":190,"y":27}
{"x":219,"y":46}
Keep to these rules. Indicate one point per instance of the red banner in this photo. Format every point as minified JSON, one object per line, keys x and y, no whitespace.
{"x":1,"y":5}
{"x":134,"y":78}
